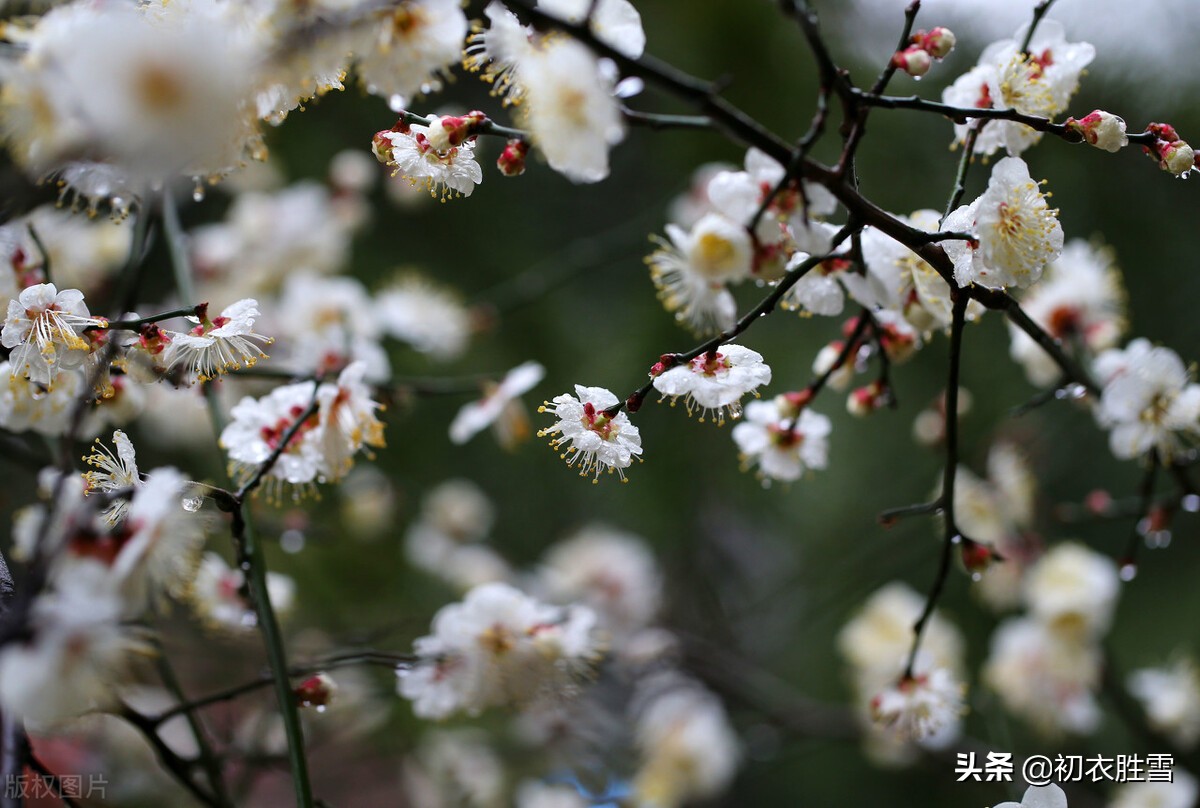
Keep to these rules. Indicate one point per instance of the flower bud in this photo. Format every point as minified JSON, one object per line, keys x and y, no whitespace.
{"x":512,"y":160}
{"x":826,"y":361}
{"x":449,"y":131}
{"x":1101,"y":129}
{"x":913,"y":60}
{"x":938,"y":42}
{"x":977,"y":557}
{"x":1176,"y":157}
{"x":865,"y":400}
{"x":791,"y":403}
{"x":315,"y":691}
{"x":381,"y":146}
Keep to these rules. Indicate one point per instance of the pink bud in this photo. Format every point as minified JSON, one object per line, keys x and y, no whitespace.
{"x":381,"y":146}
{"x":1176,"y":157}
{"x":913,"y":60}
{"x":512,"y":160}
{"x":1101,"y":129}
{"x":315,"y":691}
{"x":938,"y":42}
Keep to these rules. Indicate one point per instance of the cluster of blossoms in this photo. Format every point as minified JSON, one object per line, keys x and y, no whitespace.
{"x":924,"y":48}
{"x":116,"y":543}
{"x":313,"y":430}
{"x":714,"y":247}
{"x":117,"y":101}
{"x":1035,"y":80}
{"x":1149,"y":402}
{"x":1045,"y":665}
{"x":499,"y":647}
{"x":997,"y":513}
{"x":596,"y":593}
{"x":900,"y":707}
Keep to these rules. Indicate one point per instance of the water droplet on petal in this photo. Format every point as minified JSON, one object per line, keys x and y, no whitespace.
{"x":192,"y":504}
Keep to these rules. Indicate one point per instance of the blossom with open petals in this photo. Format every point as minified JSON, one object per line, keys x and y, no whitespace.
{"x":589,"y":435}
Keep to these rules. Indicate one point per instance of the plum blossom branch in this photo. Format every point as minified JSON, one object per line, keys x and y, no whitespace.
{"x":348,"y":659}
{"x":634,"y":401}
{"x":962,"y":114}
{"x":950,"y":535}
{"x":249,"y":549}
{"x":208,"y":760}
{"x":179,"y":767}
{"x":659,"y":121}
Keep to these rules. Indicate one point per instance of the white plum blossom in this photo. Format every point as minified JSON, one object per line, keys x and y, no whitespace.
{"x":220,"y":598}
{"x":1171,"y":699}
{"x":324,"y":427}
{"x":410,"y":46}
{"x":877,"y":640}
{"x":347,"y":421}
{"x":570,"y":110}
{"x":817,"y":291}
{"x":1044,"y":677}
{"x":899,"y":280}
{"x":499,"y":647}
{"x":155,"y":90}
{"x":781,"y":441}
{"x":616,"y":23}
{"x":690,"y":271}
{"x":161,"y":540}
{"x":1073,"y":589}
{"x":612,"y":572}
{"x":896,"y":711}
{"x":445,"y":171}
{"x":1148,"y":400}
{"x":598,"y":441}
{"x":447,"y":538}
{"x":224,"y":343}
{"x":27,"y":405}
{"x":715,"y":382}
{"x":499,"y":408}
{"x":113,"y":471}
{"x":918,"y":707}
{"x":998,"y":512}
{"x":257,"y":428}
{"x":430,"y":319}
{"x":1017,"y":232}
{"x":1079,"y":298}
{"x":73,"y":661}
{"x":496,"y":52}
{"x":266,"y":238}
{"x":1037,"y":82}
{"x":688,"y":749}
{"x":325,"y":324}
{"x":44,"y":329}
{"x":1050,"y":796}
{"x":456,"y":767}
